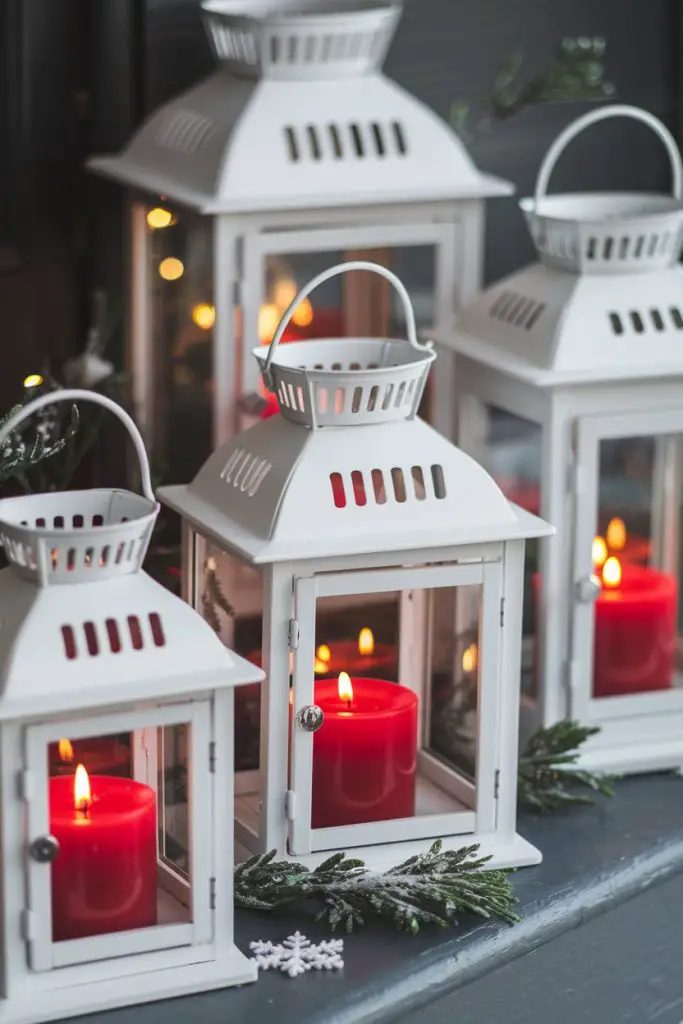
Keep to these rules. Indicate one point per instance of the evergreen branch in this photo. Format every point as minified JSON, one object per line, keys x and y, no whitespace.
{"x":575,"y":73}
{"x":19,"y":456}
{"x":430,"y":888}
{"x":548,"y":777}
{"x":214,"y":598}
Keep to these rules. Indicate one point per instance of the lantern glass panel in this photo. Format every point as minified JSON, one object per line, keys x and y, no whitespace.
{"x":509,"y":446}
{"x":635,"y":557}
{"x":182,"y":318}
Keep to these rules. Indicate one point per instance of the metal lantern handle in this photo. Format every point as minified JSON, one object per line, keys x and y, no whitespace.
{"x":593,"y":117}
{"x":343,"y":268}
{"x":81,"y":395}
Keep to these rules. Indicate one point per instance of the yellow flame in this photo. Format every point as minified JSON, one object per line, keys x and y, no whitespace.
{"x":324,"y":653}
{"x":204,"y":315}
{"x":599,"y":552}
{"x":611,"y":572}
{"x":159,"y":218}
{"x":344,"y":687}
{"x":82,"y":795}
{"x":171,"y":269}
{"x":366,"y":641}
{"x":303,"y":314}
{"x":470,"y":658}
{"x":268,"y":319}
{"x":616,"y":534}
{"x":284,"y":293}
{"x":34,"y":380}
{"x":65,"y":750}
{"x":320,"y":667}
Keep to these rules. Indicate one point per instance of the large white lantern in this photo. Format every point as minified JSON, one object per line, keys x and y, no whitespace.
{"x":348,"y":509}
{"x":569,"y":384}
{"x":296,"y":153}
{"x":116,"y":770}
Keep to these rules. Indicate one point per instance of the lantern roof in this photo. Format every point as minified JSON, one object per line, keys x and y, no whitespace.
{"x":298,"y":116}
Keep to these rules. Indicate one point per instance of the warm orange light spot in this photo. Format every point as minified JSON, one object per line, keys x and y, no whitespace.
{"x":324,"y":653}
{"x":366,"y":641}
{"x":268,"y":320}
{"x":159,"y":218}
{"x":344,"y":687}
{"x":599,"y":552}
{"x":284,"y":293}
{"x":470,"y":658}
{"x":320,"y":667}
{"x":65,"y":750}
{"x":171,"y":269}
{"x":34,"y":380}
{"x":303,"y":314}
{"x":616,"y":534}
{"x":204,"y":315}
{"x":611,"y":572}
{"x":82,"y":795}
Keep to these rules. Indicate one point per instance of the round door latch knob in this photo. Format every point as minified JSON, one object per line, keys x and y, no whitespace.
{"x":588,"y":589}
{"x":44,"y":849}
{"x":310,"y":718}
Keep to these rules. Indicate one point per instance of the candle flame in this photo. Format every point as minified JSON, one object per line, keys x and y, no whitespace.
{"x":344,"y":687}
{"x":599,"y":552}
{"x":616,"y":534}
{"x":268,"y":320}
{"x":366,"y":641}
{"x":324,"y":653}
{"x":320,"y":667}
{"x":303,"y":314}
{"x":611,"y":572}
{"x":82,"y":794}
{"x":470,"y":658}
{"x":65,"y":750}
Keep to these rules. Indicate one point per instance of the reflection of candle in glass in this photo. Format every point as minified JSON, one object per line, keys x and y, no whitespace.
{"x":470,"y":659}
{"x":362,"y":656}
{"x":365,"y":753}
{"x":616,"y":535}
{"x":104,"y":878}
{"x":366,"y":641}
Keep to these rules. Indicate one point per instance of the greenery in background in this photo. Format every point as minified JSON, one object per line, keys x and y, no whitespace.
{"x":576,"y":72}
{"x":429,"y":889}
{"x":548,"y":779}
{"x":27,"y":449}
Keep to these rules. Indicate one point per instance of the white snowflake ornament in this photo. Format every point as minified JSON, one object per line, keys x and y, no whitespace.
{"x":297,"y":955}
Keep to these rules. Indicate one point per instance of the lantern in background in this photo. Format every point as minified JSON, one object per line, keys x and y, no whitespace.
{"x":348,"y":502}
{"x":569,"y":381}
{"x":116,"y":725}
{"x":297,"y":148}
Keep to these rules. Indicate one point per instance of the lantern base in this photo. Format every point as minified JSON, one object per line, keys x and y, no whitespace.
{"x":513,"y":853}
{"x":108,"y":993}
{"x":634,"y":758}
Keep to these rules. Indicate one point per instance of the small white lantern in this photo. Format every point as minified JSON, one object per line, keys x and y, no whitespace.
{"x":116,"y":738}
{"x":352,"y":510}
{"x":296,"y":153}
{"x":569,"y":380}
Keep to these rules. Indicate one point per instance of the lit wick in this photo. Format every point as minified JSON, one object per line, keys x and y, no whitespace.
{"x":82,"y":795}
{"x":345,"y":689}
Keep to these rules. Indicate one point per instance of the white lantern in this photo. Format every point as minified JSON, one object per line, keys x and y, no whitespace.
{"x":348,"y":509}
{"x":294,"y":153}
{"x":116,"y":726}
{"x":568,"y":384}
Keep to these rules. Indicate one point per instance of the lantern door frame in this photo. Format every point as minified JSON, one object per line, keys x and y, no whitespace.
{"x":302,"y":838}
{"x":44,"y":954}
{"x":613,"y":713}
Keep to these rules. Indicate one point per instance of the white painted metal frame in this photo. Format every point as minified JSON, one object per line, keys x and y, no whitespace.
{"x":46,"y":955}
{"x":303,"y":839}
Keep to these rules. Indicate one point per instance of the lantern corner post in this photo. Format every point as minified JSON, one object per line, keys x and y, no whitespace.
{"x":229,"y":332}
{"x":510,"y":685}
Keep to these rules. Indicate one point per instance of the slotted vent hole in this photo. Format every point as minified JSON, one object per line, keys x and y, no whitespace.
{"x":519,"y":310}
{"x":338,"y":493}
{"x":419,"y":483}
{"x":91,"y":641}
{"x":378,"y":487}
{"x":358,"y":488}
{"x":640,"y":323}
{"x":135,"y":632}
{"x":399,"y":484}
{"x":438,"y":482}
{"x":69,"y":640}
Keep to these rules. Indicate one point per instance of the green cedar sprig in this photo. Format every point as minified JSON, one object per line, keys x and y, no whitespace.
{"x":548,"y":779}
{"x":430,"y":888}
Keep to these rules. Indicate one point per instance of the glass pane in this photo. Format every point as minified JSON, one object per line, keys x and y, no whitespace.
{"x":358,"y":635}
{"x":355,"y":304}
{"x":635,"y":558}
{"x":454,"y":678}
{"x":123,"y":860}
{"x":181,"y":275}
{"x":510,"y":449}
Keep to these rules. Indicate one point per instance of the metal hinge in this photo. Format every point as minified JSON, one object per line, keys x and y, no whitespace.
{"x":25,"y":785}
{"x":212,"y":893}
{"x":290,"y":804}
{"x":293,"y":635}
{"x":502,"y":611}
{"x":496,"y":784}
{"x":212,"y":757}
{"x":28,"y":925}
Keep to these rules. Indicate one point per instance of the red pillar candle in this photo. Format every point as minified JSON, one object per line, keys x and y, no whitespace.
{"x":104,"y":878}
{"x":365,"y":753}
{"x":635,"y":630}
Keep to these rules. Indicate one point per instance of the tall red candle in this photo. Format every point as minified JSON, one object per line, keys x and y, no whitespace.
{"x":635,"y":632}
{"x":104,"y":878}
{"x":365,"y":753}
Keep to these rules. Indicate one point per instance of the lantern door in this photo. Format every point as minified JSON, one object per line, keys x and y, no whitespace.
{"x":626,"y":658}
{"x":119,"y":836}
{"x":393,"y":732}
